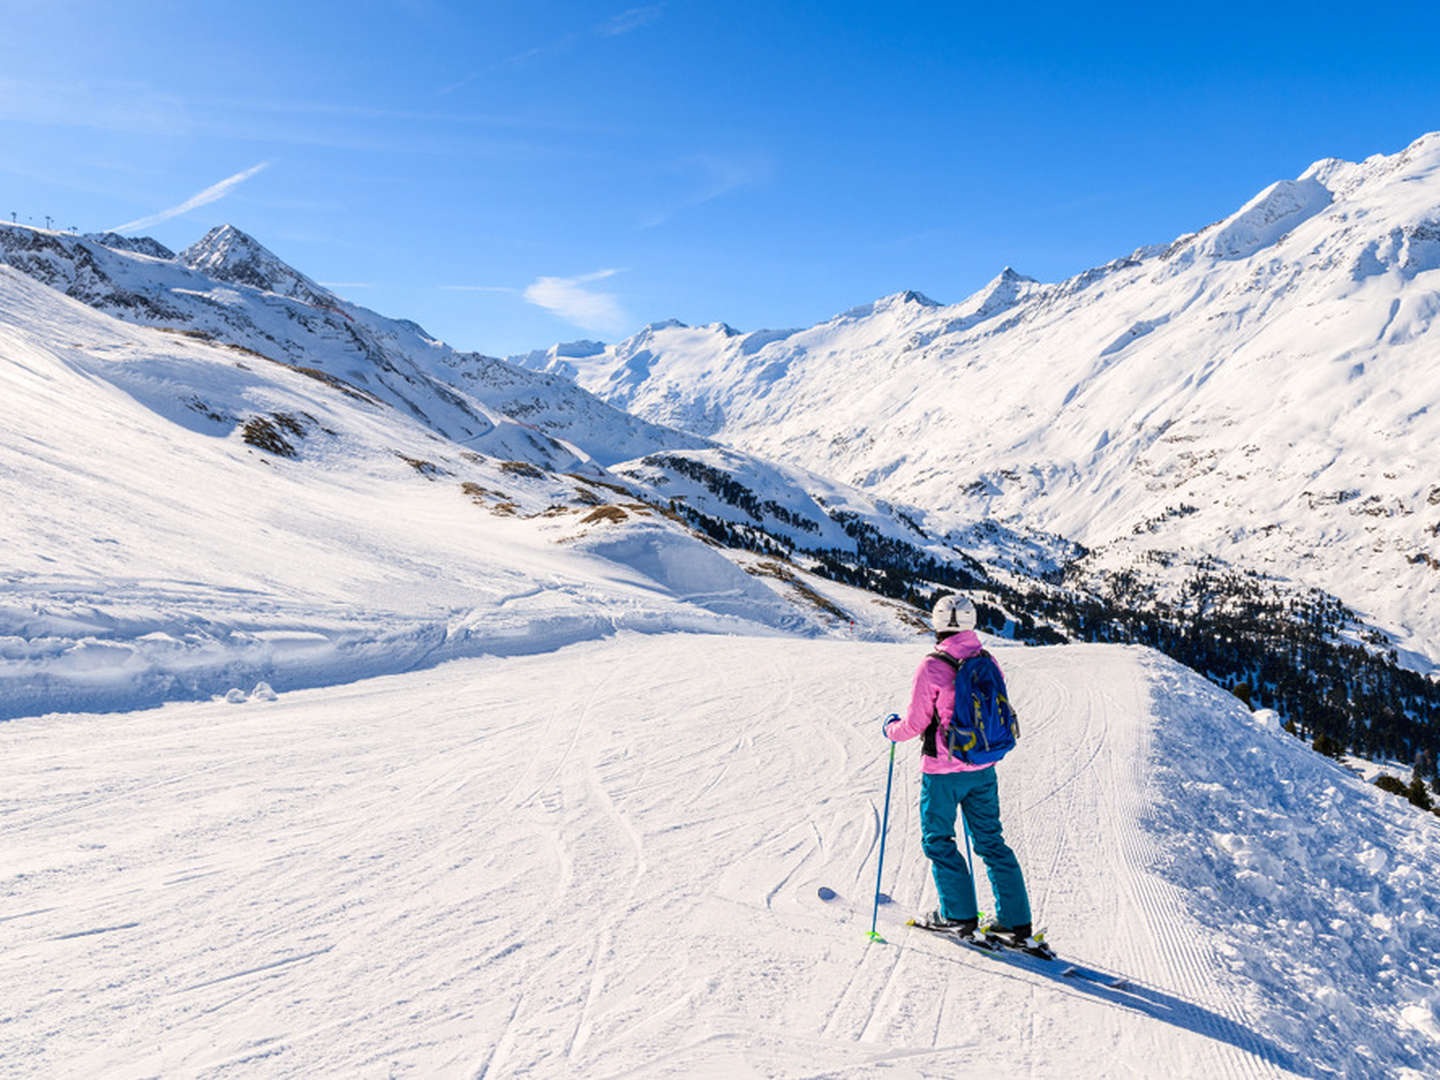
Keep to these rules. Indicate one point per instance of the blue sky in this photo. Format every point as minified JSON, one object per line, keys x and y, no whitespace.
{"x":513,"y":174}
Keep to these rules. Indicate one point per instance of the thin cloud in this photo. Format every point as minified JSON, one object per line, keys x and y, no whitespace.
{"x":623,"y":23}
{"x":458,"y":84}
{"x":630,"y":19}
{"x":586,"y":308}
{"x":524,"y":57}
{"x":202,"y":198}
{"x":715,"y":176}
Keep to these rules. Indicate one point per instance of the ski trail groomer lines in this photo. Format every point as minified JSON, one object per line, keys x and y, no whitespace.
{"x":950,"y":784}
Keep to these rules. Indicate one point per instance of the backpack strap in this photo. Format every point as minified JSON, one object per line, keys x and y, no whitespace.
{"x":932,"y":729}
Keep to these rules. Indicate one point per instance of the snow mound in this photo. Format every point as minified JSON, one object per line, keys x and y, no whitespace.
{"x":692,"y":573}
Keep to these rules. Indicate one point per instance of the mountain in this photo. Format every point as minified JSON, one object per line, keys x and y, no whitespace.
{"x":249,"y":478}
{"x":229,"y":288}
{"x":227,"y":254}
{"x":1257,"y":395}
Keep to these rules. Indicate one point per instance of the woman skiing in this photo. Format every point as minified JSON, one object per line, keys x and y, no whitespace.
{"x":949,"y":785}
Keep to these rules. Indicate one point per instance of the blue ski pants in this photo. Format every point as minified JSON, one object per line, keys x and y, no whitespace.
{"x":942,"y":795}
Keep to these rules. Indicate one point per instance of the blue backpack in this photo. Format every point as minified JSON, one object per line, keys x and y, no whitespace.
{"x":985,"y":726}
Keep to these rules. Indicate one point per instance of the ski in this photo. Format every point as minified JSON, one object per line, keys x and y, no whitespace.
{"x":998,"y":944}
{"x":1039,"y":949}
{"x":1113,"y":982}
{"x":981,"y":941}
{"x":1042,"y":951}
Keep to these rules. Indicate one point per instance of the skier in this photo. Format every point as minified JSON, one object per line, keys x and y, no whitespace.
{"x":948,"y":784}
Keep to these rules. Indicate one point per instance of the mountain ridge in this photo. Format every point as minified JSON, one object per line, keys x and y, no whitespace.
{"x":1243,"y":369}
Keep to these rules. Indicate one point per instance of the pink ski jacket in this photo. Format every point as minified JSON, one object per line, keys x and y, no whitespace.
{"x":934,"y":692}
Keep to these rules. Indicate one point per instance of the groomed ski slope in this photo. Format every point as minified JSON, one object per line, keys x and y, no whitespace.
{"x":605,"y":862}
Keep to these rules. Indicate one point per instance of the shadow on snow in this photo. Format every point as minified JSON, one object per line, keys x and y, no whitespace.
{"x":1149,"y":1001}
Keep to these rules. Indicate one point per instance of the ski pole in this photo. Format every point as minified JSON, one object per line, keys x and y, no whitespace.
{"x":880,"y":863}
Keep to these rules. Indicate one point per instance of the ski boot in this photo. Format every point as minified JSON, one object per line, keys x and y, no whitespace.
{"x":966,"y":930}
{"x":1022,"y":938}
{"x":938,"y":921}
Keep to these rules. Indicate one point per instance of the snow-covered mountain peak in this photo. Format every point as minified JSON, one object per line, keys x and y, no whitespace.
{"x":583,"y":347}
{"x":1422,"y":155}
{"x":557,"y":360}
{"x":914,"y":296}
{"x":1001,"y":292}
{"x":1326,"y":170}
{"x":1346,"y":178}
{"x":225,"y":253}
{"x":905,"y":299}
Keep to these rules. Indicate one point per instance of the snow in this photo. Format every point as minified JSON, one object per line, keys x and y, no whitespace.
{"x":625,"y":873}
{"x":1305,"y":853}
{"x":672,"y":562}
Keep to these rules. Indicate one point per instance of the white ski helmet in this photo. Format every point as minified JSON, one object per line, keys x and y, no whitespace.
{"x":953,"y":613}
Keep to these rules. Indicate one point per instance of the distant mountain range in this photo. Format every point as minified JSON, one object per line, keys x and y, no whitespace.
{"x":1264,"y":391}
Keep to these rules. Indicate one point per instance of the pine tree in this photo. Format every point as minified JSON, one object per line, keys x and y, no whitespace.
{"x":1426,"y":765}
{"x":1417,"y":792}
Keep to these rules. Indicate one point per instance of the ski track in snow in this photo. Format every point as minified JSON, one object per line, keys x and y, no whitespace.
{"x":604,"y":862}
